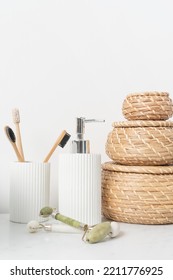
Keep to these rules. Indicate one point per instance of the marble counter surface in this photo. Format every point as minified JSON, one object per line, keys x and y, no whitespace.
{"x":134,"y":242}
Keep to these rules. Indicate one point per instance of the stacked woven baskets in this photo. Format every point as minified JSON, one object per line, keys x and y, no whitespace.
{"x":137,"y":185}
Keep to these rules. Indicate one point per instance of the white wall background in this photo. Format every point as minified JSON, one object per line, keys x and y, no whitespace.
{"x":60,"y":59}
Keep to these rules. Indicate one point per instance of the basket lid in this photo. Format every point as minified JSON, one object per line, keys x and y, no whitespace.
{"x":147,"y":93}
{"x":111,"y":166}
{"x":143,"y":124}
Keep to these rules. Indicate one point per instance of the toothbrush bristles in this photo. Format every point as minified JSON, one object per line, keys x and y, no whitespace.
{"x":64,"y":140}
{"x":10,"y":134}
{"x":16,"y":115}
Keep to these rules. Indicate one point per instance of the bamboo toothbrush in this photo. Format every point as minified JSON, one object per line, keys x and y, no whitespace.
{"x":12,"y":138}
{"x":61,"y":141}
{"x":16,"y":120}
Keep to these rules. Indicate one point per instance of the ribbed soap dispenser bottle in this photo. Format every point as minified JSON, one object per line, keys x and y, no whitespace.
{"x":79,"y":179}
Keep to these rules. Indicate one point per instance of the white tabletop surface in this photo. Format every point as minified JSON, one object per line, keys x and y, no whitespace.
{"x":134,"y":242}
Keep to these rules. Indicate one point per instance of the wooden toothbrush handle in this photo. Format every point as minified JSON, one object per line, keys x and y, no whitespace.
{"x":20,"y":158}
{"x":19,"y":141}
{"x":54,"y":146}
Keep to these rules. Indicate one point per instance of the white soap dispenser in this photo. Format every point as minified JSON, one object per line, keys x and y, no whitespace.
{"x":79,"y":179}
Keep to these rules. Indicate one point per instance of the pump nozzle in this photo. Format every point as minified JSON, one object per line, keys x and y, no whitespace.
{"x":80,"y":145}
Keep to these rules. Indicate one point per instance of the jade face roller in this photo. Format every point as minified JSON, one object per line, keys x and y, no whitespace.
{"x":92,"y":234}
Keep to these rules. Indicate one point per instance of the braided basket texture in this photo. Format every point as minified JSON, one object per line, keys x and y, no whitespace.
{"x":134,"y":194}
{"x":141,"y":143}
{"x":148,"y":106}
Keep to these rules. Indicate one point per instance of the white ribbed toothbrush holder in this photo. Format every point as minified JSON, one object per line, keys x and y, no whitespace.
{"x":29,"y":190}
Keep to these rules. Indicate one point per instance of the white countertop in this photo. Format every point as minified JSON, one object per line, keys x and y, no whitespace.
{"x":135,"y":242}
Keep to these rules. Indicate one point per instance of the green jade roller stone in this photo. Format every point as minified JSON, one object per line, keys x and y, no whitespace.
{"x":46,"y":211}
{"x":98,"y":233}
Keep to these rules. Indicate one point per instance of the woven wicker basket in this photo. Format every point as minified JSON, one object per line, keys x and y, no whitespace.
{"x":141,"y":143}
{"x":148,"y":106}
{"x":135,"y":194}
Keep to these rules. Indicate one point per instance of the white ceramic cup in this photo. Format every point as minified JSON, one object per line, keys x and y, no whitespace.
{"x":29,"y":190}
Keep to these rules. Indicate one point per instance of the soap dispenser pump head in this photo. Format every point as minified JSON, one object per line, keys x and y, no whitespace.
{"x":80,"y":145}
{"x":80,"y":128}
